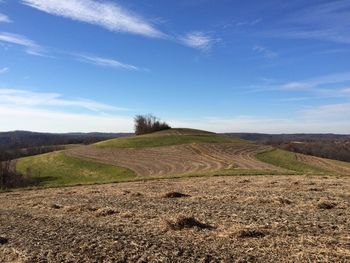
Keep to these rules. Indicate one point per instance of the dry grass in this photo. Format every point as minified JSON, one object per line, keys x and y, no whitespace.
{"x":256,"y":219}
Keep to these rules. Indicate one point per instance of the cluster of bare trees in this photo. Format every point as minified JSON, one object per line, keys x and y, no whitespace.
{"x":9,"y":178}
{"x":149,"y":123}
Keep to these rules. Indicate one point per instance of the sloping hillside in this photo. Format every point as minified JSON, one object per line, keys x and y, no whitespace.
{"x":170,"y":153}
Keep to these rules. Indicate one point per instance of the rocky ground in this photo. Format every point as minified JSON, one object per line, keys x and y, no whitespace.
{"x":216,"y":219}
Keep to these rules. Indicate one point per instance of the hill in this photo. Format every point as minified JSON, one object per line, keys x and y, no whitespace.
{"x":15,"y":144}
{"x":170,"y":153}
{"x":332,"y":146}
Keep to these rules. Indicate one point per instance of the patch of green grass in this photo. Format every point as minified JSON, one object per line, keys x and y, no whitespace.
{"x":58,"y":169}
{"x":165,"y":140}
{"x":288,"y":161}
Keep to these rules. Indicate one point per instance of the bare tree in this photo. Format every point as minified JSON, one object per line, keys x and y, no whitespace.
{"x":149,"y":123}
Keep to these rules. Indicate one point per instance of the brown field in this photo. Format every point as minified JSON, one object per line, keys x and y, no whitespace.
{"x":179,"y":159}
{"x":327,"y":164}
{"x":218,"y":219}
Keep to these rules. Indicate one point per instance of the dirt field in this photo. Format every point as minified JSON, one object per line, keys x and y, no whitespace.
{"x":179,"y":159}
{"x":217,"y":219}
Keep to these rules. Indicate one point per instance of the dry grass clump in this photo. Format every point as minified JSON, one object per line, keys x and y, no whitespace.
{"x":175,"y":195}
{"x":326,"y":204}
{"x":251,"y":233}
{"x":184,"y":222}
{"x":105,"y":212}
{"x":284,"y":201}
{"x":55,"y":206}
{"x":3,"y":240}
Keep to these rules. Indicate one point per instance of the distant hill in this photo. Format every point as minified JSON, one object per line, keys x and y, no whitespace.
{"x":289,"y":137}
{"x":15,"y":144}
{"x":332,"y":146}
{"x":24,"y":139}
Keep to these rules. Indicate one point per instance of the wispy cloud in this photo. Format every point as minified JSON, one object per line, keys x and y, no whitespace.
{"x":31,"y":47}
{"x":108,"y":15}
{"x":265,"y":52}
{"x":318,"y":82}
{"x":4,"y":70}
{"x":199,"y":40}
{"x":327,"y":21}
{"x":4,"y":18}
{"x":105,"y":62}
{"x":26,"y":98}
{"x":249,"y":22}
{"x":114,"y":17}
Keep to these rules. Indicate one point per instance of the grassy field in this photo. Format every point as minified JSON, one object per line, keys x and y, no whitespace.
{"x":288,"y":161}
{"x":157,"y":141}
{"x":57,"y":169}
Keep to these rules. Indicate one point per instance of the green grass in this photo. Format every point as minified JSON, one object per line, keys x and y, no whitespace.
{"x":288,"y":161}
{"x":58,"y":169}
{"x":165,"y":140}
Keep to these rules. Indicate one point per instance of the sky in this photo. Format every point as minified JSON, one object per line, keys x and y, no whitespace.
{"x":226,"y":66}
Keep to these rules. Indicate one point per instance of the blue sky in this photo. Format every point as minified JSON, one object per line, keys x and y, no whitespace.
{"x":226,"y":66}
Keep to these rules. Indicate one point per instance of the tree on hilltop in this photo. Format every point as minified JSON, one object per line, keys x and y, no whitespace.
{"x":149,"y":123}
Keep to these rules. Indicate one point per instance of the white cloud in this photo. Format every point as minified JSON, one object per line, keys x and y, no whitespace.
{"x":4,"y":18}
{"x":25,"y":98}
{"x":31,"y":47}
{"x":4,"y":70}
{"x":267,"y":53}
{"x":44,"y":120}
{"x":113,"y":17}
{"x":106,"y":62}
{"x":310,"y":121}
{"x":50,"y":112}
{"x":105,"y":14}
{"x":198,"y":40}
{"x":331,"y":112}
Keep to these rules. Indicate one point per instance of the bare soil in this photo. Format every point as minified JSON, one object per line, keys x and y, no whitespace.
{"x":224,"y":219}
{"x":179,"y":159}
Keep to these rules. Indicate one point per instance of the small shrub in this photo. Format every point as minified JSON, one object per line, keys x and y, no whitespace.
{"x":175,"y":195}
{"x":105,"y":212}
{"x":184,"y":222}
{"x":326,"y":205}
{"x":3,"y":240}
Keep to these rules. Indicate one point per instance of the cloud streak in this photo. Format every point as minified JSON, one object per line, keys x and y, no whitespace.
{"x":4,"y":70}
{"x":265,"y":52}
{"x":113,"y":17}
{"x":26,"y":98}
{"x":105,"y":62}
{"x":4,"y":18}
{"x":328,"y":21}
{"x":104,"y":14}
{"x":198,"y":40}
{"x":31,"y":47}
